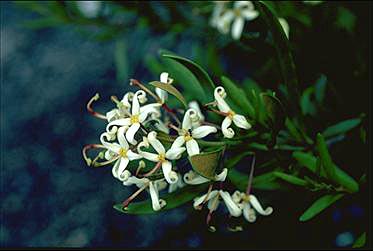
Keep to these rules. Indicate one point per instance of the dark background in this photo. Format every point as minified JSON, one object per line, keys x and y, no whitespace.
{"x":49,"y":197}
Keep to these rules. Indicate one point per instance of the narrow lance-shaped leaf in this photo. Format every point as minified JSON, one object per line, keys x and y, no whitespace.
{"x":290,"y":179}
{"x":341,"y":127}
{"x":319,"y":205}
{"x":170,"y":89}
{"x":266,"y":181}
{"x":310,"y":162}
{"x":173,"y":200}
{"x":197,"y":70}
{"x":326,"y":160}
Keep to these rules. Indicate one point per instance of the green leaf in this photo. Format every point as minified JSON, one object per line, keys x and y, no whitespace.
{"x":290,"y":179}
{"x":320,"y":88}
{"x":360,"y":242}
{"x":319,"y":205}
{"x":308,"y":107}
{"x":326,"y":160}
{"x":205,"y":164}
{"x":275,"y":111}
{"x":284,"y":55}
{"x":44,"y":22}
{"x":170,"y":89}
{"x":341,"y":127}
{"x":202,"y":76}
{"x":238,"y":96}
{"x":186,"y":79}
{"x":121,"y":61}
{"x":173,"y":200}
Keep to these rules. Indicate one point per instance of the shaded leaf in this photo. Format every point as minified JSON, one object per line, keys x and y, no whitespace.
{"x":275,"y":111}
{"x":231,"y":162}
{"x":307,"y":105}
{"x":284,"y":55}
{"x":320,"y":88}
{"x":173,"y":200}
{"x":265,"y":181}
{"x":170,"y":89}
{"x":341,"y":127}
{"x":319,"y":205}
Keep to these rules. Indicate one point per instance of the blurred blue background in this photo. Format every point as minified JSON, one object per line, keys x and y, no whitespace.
{"x":50,"y":198}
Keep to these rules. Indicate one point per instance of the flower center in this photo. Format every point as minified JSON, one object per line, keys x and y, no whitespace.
{"x":187,"y":137}
{"x":237,"y":12}
{"x":162,"y":157}
{"x":246,"y":198}
{"x":134,"y":119}
{"x":123,"y":152}
{"x":231,"y":114}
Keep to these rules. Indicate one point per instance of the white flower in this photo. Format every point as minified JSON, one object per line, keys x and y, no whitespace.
{"x":120,"y":152}
{"x":239,"y":120}
{"x":195,"y":106}
{"x":248,"y":203}
{"x":213,"y":202}
{"x":192,"y":178}
{"x":166,"y":80}
{"x":162,"y":158}
{"x":285,"y":26}
{"x":138,"y":116}
{"x":89,"y":9}
{"x":242,"y":10}
{"x":187,"y":135}
{"x":143,"y":183}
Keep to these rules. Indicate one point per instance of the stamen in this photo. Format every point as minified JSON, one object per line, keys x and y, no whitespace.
{"x":90,"y":109}
{"x":157,"y":166}
{"x":226,"y":114}
{"x":99,"y":164}
{"x":173,"y":127}
{"x":171,"y":112}
{"x":120,"y":105}
{"x":209,"y":216}
{"x":88,"y":147}
{"x":128,"y":201}
{"x":141,"y":166}
{"x":248,"y":190}
{"x":142,"y":87}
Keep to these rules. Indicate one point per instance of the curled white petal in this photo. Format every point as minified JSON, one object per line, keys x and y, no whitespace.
{"x":156,"y":144}
{"x":249,"y":213}
{"x":118,"y":122}
{"x":203,"y":131}
{"x":187,"y":121}
{"x":174,"y":153}
{"x":170,"y":176}
{"x":233,"y":209}
{"x":249,"y":14}
{"x":195,"y":106}
{"x":241,"y":122}
{"x":220,"y":95}
{"x":133,"y":156}
{"x":222,"y":176}
{"x":192,"y":147}
{"x":154,"y":197}
{"x":237,"y":27}
{"x":179,"y":141}
{"x":192,"y":178}
{"x":149,"y":156}
{"x":127,"y":98}
{"x":121,"y":138}
{"x":256,"y":205}
{"x":227,"y":131}
{"x":130,"y":134}
{"x":125,"y":175}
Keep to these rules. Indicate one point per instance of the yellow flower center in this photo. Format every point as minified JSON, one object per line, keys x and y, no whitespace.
{"x":134,"y":119}
{"x":246,"y":198}
{"x":187,"y":137}
{"x":162,"y":157}
{"x":123,"y":152}
{"x":237,"y":12}
{"x":231,"y":114}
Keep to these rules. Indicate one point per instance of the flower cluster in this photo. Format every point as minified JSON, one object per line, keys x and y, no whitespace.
{"x":144,"y":140}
